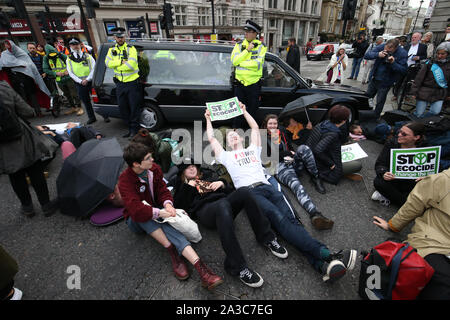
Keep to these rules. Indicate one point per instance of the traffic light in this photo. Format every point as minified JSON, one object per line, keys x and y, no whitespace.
{"x":42,"y":18}
{"x":4,"y":21}
{"x":162,"y":22}
{"x":91,"y":5}
{"x":141,"y":25}
{"x":18,"y":6}
{"x":169,"y":14}
{"x":349,"y":9}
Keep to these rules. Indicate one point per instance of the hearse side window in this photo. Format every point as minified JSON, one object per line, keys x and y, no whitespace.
{"x":185,"y":68}
{"x":276,"y":76}
{"x":188,"y":67}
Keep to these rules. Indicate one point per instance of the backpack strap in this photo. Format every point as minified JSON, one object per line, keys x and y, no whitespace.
{"x":395,"y":267}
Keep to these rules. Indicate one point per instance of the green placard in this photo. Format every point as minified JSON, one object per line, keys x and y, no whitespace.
{"x":223,"y":110}
{"x":415,"y":163}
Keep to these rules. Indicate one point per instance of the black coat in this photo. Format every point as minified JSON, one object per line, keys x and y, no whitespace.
{"x":360,"y":48}
{"x":293,"y":57}
{"x":425,"y":86}
{"x":326,"y":148}
{"x":421,"y":51}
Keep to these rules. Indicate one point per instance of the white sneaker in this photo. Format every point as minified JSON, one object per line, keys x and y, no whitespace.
{"x":17,"y":295}
{"x":376,"y":196}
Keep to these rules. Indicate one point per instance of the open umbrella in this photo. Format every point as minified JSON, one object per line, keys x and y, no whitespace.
{"x":88,"y":176}
{"x":301,"y":104}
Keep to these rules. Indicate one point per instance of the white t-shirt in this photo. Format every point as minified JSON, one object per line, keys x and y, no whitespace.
{"x":411,"y":53}
{"x":244,"y":166}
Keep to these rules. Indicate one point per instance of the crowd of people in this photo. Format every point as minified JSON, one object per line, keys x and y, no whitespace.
{"x":142,"y":188}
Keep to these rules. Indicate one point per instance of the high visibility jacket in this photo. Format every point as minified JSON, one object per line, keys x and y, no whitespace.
{"x":66,"y":51}
{"x":249,"y":65}
{"x":59,"y":66}
{"x":128,"y":71}
{"x":81,"y":69}
{"x":164,"y":54}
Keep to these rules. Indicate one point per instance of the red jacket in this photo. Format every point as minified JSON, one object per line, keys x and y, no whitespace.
{"x":133,"y":190}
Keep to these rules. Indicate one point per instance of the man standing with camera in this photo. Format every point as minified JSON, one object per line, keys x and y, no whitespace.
{"x":390,"y":65}
{"x":123,"y":59}
{"x":248,"y":59}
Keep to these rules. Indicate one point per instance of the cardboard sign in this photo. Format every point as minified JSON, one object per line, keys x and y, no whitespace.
{"x":223,"y":110}
{"x":352,"y":152}
{"x":415,"y":163}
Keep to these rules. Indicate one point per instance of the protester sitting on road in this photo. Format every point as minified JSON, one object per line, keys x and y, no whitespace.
{"x":387,"y":187}
{"x":390,"y":66}
{"x":428,"y":205}
{"x":338,"y":65}
{"x":21,"y":150}
{"x":143,"y":180}
{"x":356,"y":132}
{"x":430,"y":86}
{"x":291,"y":164}
{"x":8,"y":270}
{"x":325,"y":142}
{"x":215,"y":204}
{"x":246,"y":170}
{"x":296,"y":131}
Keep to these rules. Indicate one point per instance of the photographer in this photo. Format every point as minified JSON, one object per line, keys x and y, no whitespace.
{"x":390,"y":66}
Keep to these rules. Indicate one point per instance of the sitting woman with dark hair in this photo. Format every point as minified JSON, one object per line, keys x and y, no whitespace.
{"x":387,"y":187}
{"x":289,"y":168}
{"x":214,"y":204}
{"x":325,"y":142}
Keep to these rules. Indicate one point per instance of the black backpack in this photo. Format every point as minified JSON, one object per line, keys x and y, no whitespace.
{"x":10,"y":127}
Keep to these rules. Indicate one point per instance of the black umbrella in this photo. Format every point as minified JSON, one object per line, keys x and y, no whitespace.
{"x":88,"y":176}
{"x":301,"y":104}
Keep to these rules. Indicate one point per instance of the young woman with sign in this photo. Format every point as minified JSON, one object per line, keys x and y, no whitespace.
{"x":387,"y":187}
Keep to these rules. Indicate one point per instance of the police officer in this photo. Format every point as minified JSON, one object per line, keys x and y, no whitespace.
{"x":80,"y":66}
{"x":248,"y":59}
{"x":123,"y":59}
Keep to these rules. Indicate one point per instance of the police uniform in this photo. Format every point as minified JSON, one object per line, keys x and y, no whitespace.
{"x":124,"y":61}
{"x":248,"y":73}
{"x":80,"y":66}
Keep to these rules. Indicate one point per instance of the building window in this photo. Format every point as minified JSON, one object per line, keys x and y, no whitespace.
{"x":273,"y":4}
{"x":314,"y":7}
{"x":203,"y":16}
{"x":221,"y":13}
{"x":289,"y":5}
{"x":254,"y":15}
{"x":288,"y":30}
{"x":273,"y":23}
{"x":236,"y":17}
{"x":303,"y":5}
{"x":180,"y":15}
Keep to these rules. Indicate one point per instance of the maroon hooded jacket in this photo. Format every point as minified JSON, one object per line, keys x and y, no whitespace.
{"x":134,"y":189}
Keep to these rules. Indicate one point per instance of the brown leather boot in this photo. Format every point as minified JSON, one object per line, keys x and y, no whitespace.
{"x":178,"y":265}
{"x":209,"y":279}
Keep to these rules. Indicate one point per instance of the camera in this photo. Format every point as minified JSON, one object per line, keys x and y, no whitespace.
{"x":386,"y":59}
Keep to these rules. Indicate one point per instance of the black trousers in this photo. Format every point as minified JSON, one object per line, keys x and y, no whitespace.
{"x":5,"y":291}
{"x":397,"y":191}
{"x":84,"y":94}
{"x":220,"y":215}
{"x":439,"y":286}
{"x":80,"y":135}
{"x":26,"y":88}
{"x":248,"y":95}
{"x":129,"y":98}
{"x":20,"y":185}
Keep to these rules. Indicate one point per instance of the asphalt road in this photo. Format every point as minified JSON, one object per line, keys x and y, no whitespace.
{"x":118,"y":264}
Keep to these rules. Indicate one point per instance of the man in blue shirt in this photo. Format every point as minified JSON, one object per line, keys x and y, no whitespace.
{"x":390,"y":65}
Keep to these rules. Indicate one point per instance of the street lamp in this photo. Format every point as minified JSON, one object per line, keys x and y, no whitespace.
{"x":421,"y":1}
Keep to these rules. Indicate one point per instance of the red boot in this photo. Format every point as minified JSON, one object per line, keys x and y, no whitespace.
{"x":209,"y":279}
{"x":178,"y":265}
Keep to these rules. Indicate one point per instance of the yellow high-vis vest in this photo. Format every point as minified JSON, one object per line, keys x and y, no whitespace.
{"x":128,"y":71}
{"x":249,"y":65}
{"x":81,"y":69}
{"x":60,"y":66}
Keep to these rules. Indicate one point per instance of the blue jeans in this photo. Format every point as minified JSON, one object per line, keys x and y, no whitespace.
{"x":375,"y":88}
{"x":355,"y":67}
{"x":435,"y":108}
{"x":273,"y":205}
{"x":174,"y":236}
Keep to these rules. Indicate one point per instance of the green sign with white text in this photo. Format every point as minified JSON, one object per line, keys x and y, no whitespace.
{"x":223,"y":110}
{"x":415,"y":163}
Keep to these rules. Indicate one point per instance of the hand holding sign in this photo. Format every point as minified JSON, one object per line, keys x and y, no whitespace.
{"x":224,"y":110}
